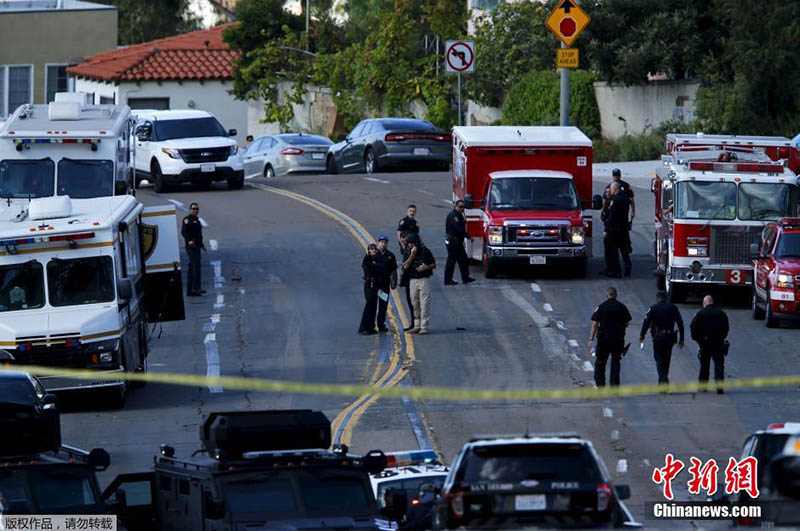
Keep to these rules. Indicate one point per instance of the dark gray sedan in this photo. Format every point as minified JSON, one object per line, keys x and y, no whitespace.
{"x":282,"y":154}
{"x":384,"y":142}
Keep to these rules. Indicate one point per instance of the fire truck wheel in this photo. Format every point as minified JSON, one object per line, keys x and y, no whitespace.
{"x":661,"y":281}
{"x":676,"y":293}
{"x":758,"y":313}
{"x":769,"y":317}
{"x":579,"y":268}
{"x":489,"y":265}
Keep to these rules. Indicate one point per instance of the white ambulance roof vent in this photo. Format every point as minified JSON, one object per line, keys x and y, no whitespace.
{"x":84,"y":98}
{"x":64,"y":110}
{"x":59,"y":206}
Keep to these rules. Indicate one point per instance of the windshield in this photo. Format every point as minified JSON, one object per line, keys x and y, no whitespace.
{"x":765,"y":201}
{"x":191,"y":128}
{"x":80,"y":179}
{"x":21,"y":286}
{"x":411,"y":486}
{"x":399,"y":124}
{"x":526,"y":461}
{"x":26,"y":178}
{"x":80,"y":281}
{"x":706,"y":200}
{"x":48,"y":490}
{"x":534,"y":193}
{"x":788,"y":246}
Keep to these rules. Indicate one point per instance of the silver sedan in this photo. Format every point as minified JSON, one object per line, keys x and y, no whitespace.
{"x":282,"y":154}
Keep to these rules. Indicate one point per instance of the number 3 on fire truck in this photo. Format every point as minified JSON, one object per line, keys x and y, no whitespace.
{"x":735,"y":276}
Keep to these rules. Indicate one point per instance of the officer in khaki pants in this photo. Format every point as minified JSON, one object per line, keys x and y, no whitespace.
{"x":419,"y":265}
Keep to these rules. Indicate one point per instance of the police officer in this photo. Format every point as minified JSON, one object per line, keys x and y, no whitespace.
{"x":408,"y":224}
{"x":661,"y":319}
{"x":609,"y":321}
{"x":710,"y":329}
{"x":420,"y":265}
{"x":616,"y":176}
{"x":387,"y":278}
{"x":192,"y":232}
{"x":371,"y":270}
{"x":617,"y":232}
{"x":456,"y":231}
{"x":405,"y":252}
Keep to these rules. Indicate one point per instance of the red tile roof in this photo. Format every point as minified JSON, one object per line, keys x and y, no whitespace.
{"x":196,"y":55}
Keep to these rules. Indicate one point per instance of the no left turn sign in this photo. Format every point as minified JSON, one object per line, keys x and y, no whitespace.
{"x":459,"y":56}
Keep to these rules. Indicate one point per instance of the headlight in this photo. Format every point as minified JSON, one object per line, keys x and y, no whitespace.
{"x":172,"y":153}
{"x":576,"y":235}
{"x":784,"y":281}
{"x":106,"y":357}
{"x":234,"y":149}
{"x":495,"y":235}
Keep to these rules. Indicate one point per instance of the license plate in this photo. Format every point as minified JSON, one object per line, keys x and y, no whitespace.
{"x":421,"y":151}
{"x":205,"y":168}
{"x":782,"y":296}
{"x":530,"y":502}
{"x":538,"y":260}
{"x":318,"y":156}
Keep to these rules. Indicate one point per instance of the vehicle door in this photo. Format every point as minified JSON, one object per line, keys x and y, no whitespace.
{"x":271,"y":154}
{"x":664,"y":224}
{"x":144,"y":132}
{"x":349,"y":155}
{"x":251,"y":161}
{"x":765,"y":262}
{"x":163,"y":294}
{"x":362,"y":142}
{"x":130,"y":497}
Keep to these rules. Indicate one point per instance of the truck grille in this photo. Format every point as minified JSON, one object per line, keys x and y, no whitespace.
{"x":51,"y":357}
{"x":539,"y":234}
{"x":216,"y":154}
{"x":731,"y":245}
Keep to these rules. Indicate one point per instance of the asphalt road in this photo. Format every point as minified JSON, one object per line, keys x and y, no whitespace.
{"x":285,"y":300}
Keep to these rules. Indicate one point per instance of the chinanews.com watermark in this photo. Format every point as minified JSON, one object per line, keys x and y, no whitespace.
{"x":677,"y":510}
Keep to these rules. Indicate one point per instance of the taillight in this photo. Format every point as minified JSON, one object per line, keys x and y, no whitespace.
{"x":604,"y":496}
{"x":399,"y":137}
{"x":394,"y":138}
{"x":292,"y":151}
{"x":457,"y":504}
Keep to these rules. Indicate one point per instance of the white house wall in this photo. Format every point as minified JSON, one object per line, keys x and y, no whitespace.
{"x":211,"y":96}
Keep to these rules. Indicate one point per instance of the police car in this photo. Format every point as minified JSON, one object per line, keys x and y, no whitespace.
{"x":419,"y":473}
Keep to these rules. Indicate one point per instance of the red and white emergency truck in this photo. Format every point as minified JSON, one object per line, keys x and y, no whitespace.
{"x":712,"y":200}
{"x":525,"y":190}
{"x":776,"y":270}
{"x":777,"y":148}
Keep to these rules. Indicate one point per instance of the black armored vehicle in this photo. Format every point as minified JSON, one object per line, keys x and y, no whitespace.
{"x":256,"y":470}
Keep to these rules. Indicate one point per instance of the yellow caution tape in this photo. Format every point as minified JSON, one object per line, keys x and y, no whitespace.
{"x":450,"y":394}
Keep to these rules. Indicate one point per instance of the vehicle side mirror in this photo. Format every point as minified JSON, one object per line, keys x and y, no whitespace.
{"x":755,"y":252}
{"x":654,"y":184}
{"x":623,"y":491}
{"x":597,"y":202}
{"x":49,"y":400}
{"x":124,"y":289}
{"x":341,"y":138}
{"x":99,"y":459}
{"x":122,"y":501}
{"x":143,"y":134}
{"x":232,"y":132}
{"x":468,"y":201}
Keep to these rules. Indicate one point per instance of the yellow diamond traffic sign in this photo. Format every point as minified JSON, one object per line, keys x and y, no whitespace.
{"x":567,"y":21}
{"x":567,"y":58}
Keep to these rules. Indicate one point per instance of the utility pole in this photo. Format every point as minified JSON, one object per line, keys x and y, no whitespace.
{"x":308,"y":20}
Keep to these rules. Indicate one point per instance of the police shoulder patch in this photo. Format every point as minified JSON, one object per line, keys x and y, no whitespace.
{"x":186,"y":221}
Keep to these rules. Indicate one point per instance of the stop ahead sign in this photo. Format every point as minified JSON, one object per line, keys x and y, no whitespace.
{"x":567,"y":21}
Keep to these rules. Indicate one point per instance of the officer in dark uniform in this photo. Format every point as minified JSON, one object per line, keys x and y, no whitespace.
{"x":616,"y":176}
{"x":456,"y":231}
{"x":387,"y":278}
{"x":609,"y":321}
{"x":371,"y":269}
{"x":661,"y":319}
{"x":617,"y":232}
{"x":192,"y":232}
{"x":408,"y":224}
{"x":710,"y":329}
{"x":405,"y":252}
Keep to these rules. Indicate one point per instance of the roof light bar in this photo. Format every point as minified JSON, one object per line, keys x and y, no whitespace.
{"x":56,"y":140}
{"x":417,"y":457}
{"x":736,"y":167}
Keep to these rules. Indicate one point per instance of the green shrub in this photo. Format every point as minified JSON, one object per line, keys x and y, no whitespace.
{"x":535,"y":100}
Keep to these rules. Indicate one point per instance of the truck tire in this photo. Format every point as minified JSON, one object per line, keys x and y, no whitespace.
{"x":579,"y":268}
{"x":758,"y":313}
{"x":158,"y":178}
{"x":676,"y":292}
{"x":235,"y":183}
{"x":769,"y":317}
{"x":141,"y":349}
{"x":490,"y":265}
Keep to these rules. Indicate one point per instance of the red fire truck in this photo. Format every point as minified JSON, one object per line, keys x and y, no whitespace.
{"x":525,"y":190}
{"x":776,"y":266}
{"x":713,"y":197}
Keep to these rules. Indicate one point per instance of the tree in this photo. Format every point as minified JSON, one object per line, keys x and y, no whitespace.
{"x":510,"y":42}
{"x":147,"y":20}
{"x":260,"y":23}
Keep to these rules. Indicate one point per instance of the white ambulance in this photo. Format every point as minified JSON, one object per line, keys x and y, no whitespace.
{"x":66,"y":148}
{"x":79,"y":281}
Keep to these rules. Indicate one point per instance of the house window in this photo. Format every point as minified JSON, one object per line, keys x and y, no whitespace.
{"x":16,"y":86}
{"x":105,"y":100}
{"x":158,"y":104}
{"x":55,"y":81}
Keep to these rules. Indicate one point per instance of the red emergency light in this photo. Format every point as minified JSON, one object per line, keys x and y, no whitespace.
{"x":754,"y":167}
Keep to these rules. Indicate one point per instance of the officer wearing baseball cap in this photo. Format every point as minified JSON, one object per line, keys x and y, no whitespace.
{"x":387,"y":278}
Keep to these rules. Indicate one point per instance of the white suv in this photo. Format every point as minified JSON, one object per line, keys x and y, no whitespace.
{"x":185,"y":146}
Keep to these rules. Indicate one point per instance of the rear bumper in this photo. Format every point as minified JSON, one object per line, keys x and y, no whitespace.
{"x":305,"y":167}
{"x":524,"y":254}
{"x":65,"y":383}
{"x":407,"y":156}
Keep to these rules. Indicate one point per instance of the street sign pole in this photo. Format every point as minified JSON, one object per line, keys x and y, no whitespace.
{"x":564,"y":94}
{"x":459,"y":98}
